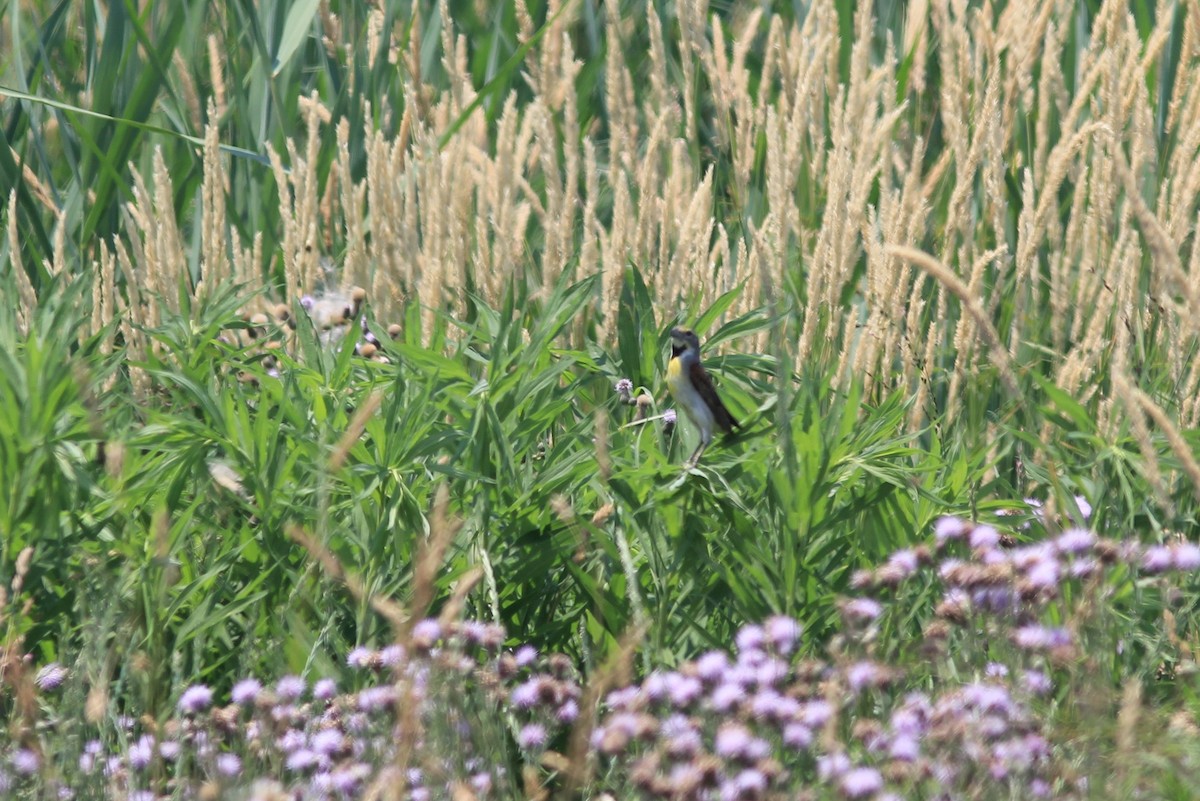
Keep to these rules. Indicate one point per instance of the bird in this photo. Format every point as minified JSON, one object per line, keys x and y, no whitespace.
{"x":692,"y":388}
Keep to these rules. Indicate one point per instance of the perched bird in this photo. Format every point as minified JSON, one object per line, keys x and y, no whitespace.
{"x":692,"y":388}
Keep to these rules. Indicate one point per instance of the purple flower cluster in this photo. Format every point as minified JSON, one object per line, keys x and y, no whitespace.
{"x":764,"y":724}
{"x":418,"y":704}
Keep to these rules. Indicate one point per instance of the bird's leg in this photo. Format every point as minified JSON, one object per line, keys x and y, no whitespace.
{"x":694,"y":459}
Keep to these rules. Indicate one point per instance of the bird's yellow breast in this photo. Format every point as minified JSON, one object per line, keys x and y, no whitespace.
{"x":676,"y":381}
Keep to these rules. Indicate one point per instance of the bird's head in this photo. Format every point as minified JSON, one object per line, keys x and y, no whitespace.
{"x":684,"y":340}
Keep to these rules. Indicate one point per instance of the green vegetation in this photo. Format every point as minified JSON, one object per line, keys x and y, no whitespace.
{"x":942,"y":261}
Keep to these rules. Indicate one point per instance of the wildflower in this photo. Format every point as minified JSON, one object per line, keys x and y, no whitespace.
{"x":904,"y":748}
{"x":1185,"y":556}
{"x":726,"y":696}
{"x":373,"y":699}
{"x":361,"y":657}
{"x":229,"y":765}
{"x":983,"y":538}
{"x":732,"y":740}
{"x":25,"y":761}
{"x":832,"y":765}
{"x":904,"y":561}
{"x":816,"y":713}
{"x":51,"y":677}
{"x":1156,"y":559}
{"x":681,"y":737}
{"x":426,"y":633}
{"x":300,"y":760}
{"x":245,"y":691}
{"x":1043,"y":574}
{"x":532,"y":736}
{"x":290,"y":688}
{"x":1035,"y":637}
{"x":948,"y":528}
{"x":169,"y":750}
{"x":782,"y":632}
{"x":526,"y":655}
{"x":195,"y":699}
{"x":525,"y":695}
{"x":683,"y":690}
{"x":711,"y":665}
{"x":568,"y":712}
{"x":392,"y":656}
{"x":1075,"y":541}
{"x":624,"y":390}
{"x":1085,"y":508}
{"x":750,"y":638}
{"x":141,"y":753}
{"x":749,"y":783}
{"x":861,"y":610}
{"x":860,"y":782}
{"x":328,"y":742}
{"x":325,"y":689}
{"x":797,"y":735}
{"x":864,"y":675}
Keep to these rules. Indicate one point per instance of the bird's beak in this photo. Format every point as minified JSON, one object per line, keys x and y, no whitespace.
{"x":676,"y":333}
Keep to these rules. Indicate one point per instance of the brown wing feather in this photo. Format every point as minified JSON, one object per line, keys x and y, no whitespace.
{"x":704,"y":385}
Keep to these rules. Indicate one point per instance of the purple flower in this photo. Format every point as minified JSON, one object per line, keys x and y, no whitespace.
{"x":373,"y":699}
{"x":426,"y":633}
{"x":862,"y":610}
{"x":25,"y":761}
{"x":904,"y":748}
{"x":525,"y":695}
{"x":624,"y":387}
{"x":300,"y":760}
{"x":832,"y":765}
{"x":290,"y":688}
{"x":683,"y":690}
{"x":328,"y":742}
{"x":816,"y":713}
{"x":749,"y":783}
{"x":782,"y":633}
{"x":1075,"y":541}
{"x":245,"y":691}
{"x":984,"y":538}
{"x":711,"y":666}
{"x":1034,"y":637}
{"x":525,"y":656}
{"x":51,"y":677}
{"x":392,"y":655}
{"x":360,"y":657}
{"x":726,"y":696}
{"x":169,"y":750}
{"x":1043,"y":574}
{"x":141,"y":753}
{"x":904,"y":562}
{"x":861,"y":782}
{"x":532,"y":736}
{"x":797,"y":735}
{"x":229,"y":764}
{"x":195,"y":699}
{"x":750,"y":638}
{"x":732,"y":740}
{"x":669,"y":417}
{"x":1036,"y":682}
{"x":864,"y":675}
{"x":324,"y":689}
{"x":568,"y":712}
{"x":1085,"y":508}
{"x":948,"y":528}
{"x":1157,"y":559}
{"x":1185,"y":556}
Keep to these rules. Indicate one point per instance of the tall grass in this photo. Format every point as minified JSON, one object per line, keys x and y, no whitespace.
{"x":942,"y":257}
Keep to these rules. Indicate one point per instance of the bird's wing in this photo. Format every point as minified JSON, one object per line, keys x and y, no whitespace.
{"x":704,"y":385}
